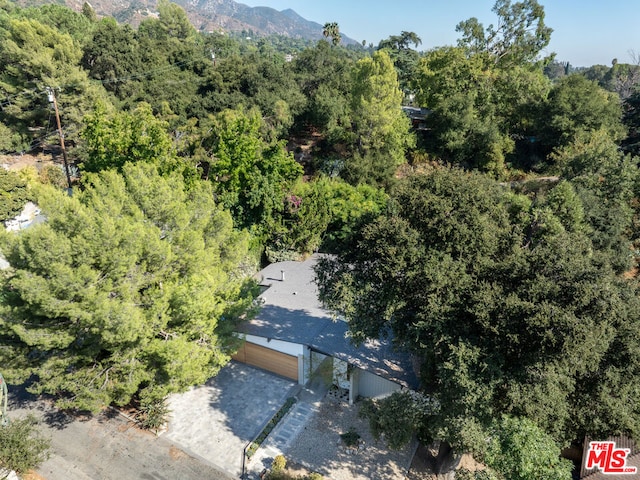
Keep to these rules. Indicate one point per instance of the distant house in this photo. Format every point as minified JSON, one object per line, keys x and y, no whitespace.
{"x":294,"y":337}
{"x":418,"y":116}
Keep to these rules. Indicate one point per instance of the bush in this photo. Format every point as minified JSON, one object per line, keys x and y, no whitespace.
{"x":279,"y":463}
{"x":153,"y":413}
{"x":350,"y":438}
{"x":21,"y":445}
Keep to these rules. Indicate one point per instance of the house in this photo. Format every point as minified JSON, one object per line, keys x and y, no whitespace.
{"x":294,"y":337}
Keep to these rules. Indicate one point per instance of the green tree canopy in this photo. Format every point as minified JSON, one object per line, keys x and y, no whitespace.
{"x":34,"y":56}
{"x":404,"y":58}
{"x":14,"y":194}
{"x":508,"y":311}
{"x":250,"y":175}
{"x":575,"y":105}
{"x":381,"y":132}
{"x":478,"y":109}
{"x":114,"y":139}
{"x":132,"y":286}
{"x":518,"y":38}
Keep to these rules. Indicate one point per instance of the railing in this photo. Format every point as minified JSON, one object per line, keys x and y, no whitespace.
{"x":252,"y":447}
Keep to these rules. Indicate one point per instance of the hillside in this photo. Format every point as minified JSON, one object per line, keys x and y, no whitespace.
{"x":208,"y":15}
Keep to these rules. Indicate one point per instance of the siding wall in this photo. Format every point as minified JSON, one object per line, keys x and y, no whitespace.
{"x":373,"y":386}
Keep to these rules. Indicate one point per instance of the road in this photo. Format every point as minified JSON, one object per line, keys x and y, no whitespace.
{"x":107,"y":447}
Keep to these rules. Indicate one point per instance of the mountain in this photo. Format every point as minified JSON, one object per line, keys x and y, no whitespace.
{"x":207,"y":15}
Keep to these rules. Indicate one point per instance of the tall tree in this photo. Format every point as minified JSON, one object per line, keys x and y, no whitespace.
{"x":508,"y":311}
{"x":518,"y":38}
{"x":381,"y":130}
{"x":250,"y":175}
{"x":478,"y":110}
{"x":576,"y":105}
{"x":113,"y":139}
{"x":331,"y":29}
{"x":404,"y":58}
{"x":34,"y":56}
{"x":133,"y":286}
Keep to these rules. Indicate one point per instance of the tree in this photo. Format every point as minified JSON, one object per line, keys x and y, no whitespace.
{"x":89,"y":13}
{"x":404,"y":58}
{"x":519,"y":450}
{"x":112,"y":140}
{"x":174,"y":21}
{"x":14,"y":194}
{"x":331,"y":29}
{"x":250,"y":175}
{"x":34,"y":56}
{"x":381,"y":130}
{"x":324,"y":77}
{"x":133,"y":286}
{"x":576,"y":105}
{"x":605,"y":179}
{"x":113,"y":57}
{"x":518,"y":38}
{"x":477,"y":110}
{"x":22,"y":447}
{"x":507,"y":311}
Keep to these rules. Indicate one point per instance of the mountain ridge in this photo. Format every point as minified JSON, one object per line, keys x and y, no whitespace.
{"x":207,"y":16}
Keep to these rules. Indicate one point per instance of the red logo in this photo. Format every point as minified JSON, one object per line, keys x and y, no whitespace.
{"x":608,"y":458}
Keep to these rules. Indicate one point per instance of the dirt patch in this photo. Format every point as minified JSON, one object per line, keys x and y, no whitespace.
{"x":176,"y":454}
{"x":18,"y":162}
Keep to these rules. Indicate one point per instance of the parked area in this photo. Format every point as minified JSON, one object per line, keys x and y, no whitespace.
{"x":217,"y":420}
{"x":209,"y":427}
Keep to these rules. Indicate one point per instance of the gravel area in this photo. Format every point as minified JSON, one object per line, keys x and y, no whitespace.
{"x":320,"y":448}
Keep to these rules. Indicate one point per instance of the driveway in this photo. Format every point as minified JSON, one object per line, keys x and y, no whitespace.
{"x":216,"y":420}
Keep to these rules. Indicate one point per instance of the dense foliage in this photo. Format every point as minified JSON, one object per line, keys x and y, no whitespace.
{"x":22,"y":446}
{"x":200,"y":153}
{"x":133,"y":286}
{"x":507,"y":302}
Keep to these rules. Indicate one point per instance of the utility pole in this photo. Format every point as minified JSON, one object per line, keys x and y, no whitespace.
{"x":52,"y":99}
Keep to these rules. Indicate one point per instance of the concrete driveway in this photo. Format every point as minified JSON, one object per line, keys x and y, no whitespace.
{"x":216,"y":420}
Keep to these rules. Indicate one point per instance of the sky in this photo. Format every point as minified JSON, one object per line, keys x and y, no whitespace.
{"x":585,"y":32}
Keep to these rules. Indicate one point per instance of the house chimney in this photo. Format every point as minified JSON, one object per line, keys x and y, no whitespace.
{"x":282,"y":275}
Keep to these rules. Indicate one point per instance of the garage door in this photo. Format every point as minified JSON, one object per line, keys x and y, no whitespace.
{"x":270,"y":360}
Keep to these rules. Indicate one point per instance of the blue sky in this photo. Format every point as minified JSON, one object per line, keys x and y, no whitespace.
{"x":586,"y":32}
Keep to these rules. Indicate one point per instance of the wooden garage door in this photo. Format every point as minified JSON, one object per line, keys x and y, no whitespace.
{"x":270,"y":360}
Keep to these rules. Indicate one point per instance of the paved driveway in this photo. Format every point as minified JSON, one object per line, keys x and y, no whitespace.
{"x":216,"y":420}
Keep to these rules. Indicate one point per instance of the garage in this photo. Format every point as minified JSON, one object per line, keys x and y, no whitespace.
{"x":268,"y":359}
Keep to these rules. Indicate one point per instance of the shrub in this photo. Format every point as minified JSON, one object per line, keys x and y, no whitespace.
{"x":21,"y":445}
{"x":350,"y":438}
{"x":153,"y":413}
{"x":279,"y":463}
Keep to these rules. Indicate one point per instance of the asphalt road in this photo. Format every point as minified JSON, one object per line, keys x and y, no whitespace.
{"x":107,"y":447}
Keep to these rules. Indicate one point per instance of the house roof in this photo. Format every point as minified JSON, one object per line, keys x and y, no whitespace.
{"x":291,"y":312}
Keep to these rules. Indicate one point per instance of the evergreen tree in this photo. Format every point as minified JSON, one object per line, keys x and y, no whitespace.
{"x":131,"y":287}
